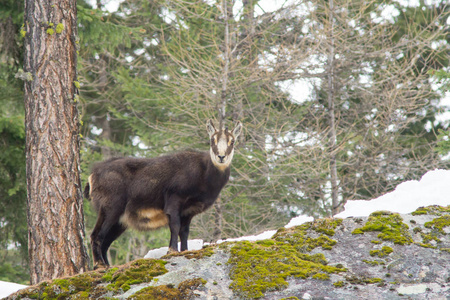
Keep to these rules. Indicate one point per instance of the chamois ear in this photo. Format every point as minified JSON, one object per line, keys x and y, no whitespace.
{"x":210,"y":128}
{"x":237,"y":129}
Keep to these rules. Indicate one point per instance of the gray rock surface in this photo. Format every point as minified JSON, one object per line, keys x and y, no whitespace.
{"x":419,"y":269}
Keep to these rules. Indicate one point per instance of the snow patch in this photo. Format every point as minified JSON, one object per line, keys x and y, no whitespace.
{"x":196,"y":244}
{"x":7,"y":288}
{"x":432,"y":189}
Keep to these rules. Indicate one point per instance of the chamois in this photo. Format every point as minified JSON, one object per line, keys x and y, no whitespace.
{"x":148,"y":193}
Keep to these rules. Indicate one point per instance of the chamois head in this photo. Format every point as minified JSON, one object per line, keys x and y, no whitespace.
{"x":222,"y":144}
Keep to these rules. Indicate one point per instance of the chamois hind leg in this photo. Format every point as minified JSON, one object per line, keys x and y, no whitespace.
{"x":105,"y":223}
{"x":114,"y":233}
{"x":97,"y":256}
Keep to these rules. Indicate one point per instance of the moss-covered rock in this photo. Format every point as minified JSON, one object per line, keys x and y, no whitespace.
{"x":436,"y":210}
{"x":185,"y":290}
{"x":138,"y":271}
{"x":385,"y":251}
{"x":265,"y":265}
{"x":390,"y":225}
{"x":206,"y":251}
{"x":96,"y":284}
{"x":327,"y":258}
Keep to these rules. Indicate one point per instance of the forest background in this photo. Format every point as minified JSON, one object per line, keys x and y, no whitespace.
{"x":368,"y":117}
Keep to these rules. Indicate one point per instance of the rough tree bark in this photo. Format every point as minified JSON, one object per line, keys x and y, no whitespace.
{"x":55,"y":206}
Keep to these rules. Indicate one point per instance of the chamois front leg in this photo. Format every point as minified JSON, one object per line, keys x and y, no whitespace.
{"x":184,"y":232}
{"x":174,"y":225}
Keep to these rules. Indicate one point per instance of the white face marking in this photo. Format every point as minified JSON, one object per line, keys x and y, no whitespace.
{"x":222,"y":145}
{"x":219,"y":156}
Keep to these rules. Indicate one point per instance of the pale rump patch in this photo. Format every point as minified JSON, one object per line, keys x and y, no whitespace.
{"x":145,"y":219}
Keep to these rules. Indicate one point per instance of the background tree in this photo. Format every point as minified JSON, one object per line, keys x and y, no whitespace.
{"x":109,"y":41}
{"x":55,"y":206}
{"x":13,"y":222}
{"x":378,"y":92}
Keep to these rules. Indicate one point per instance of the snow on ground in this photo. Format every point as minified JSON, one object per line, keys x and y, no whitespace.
{"x":196,"y":244}
{"x":299,"y":220}
{"x":262,"y":236}
{"x":432,"y":189}
{"x":7,"y":288}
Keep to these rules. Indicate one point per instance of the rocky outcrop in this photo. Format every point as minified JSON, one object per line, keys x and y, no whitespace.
{"x":384,"y":256}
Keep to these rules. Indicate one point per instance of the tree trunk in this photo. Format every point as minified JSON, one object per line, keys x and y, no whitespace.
{"x":55,"y":206}
{"x":336,"y":206}
{"x":222,"y":105}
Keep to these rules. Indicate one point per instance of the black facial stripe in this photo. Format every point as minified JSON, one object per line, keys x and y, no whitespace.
{"x":229,"y":149}
{"x":214,"y":148}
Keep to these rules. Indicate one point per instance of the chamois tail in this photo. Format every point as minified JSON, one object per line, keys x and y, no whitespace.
{"x":87,"y":189}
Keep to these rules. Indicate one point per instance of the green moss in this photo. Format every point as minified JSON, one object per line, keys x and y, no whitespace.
{"x":162,"y":292}
{"x":50,"y":31}
{"x":389,"y":225}
{"x":302,"y":242}
{"x":436,"y":227}
{"x":420,"y":211}
{"x":206,"y":251}
{"x":339,"y":283}
{"x":321,"y":276}
{"x":59,"y":28}
{"x":385,"y":251}
{"x":326,"y":226}
{"x":77,"y":84}
{"x":185,"y":290}
{"x":439,"y":223}
{"x":109,"y":274}
{"x":189,"y":285}
{"x":427,"y":238}
{"x":83,"y":286}
{"x":91,"y":285}
{"x":256,"y":268}
{"x":432,"y":210}
{"x":424,"y":245}
{"x":363,"y":280}
{"x":374,"y":262}
{"x":139,"y":271}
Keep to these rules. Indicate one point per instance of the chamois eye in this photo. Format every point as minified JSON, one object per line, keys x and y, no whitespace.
{"x":232,"y":143}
